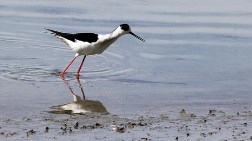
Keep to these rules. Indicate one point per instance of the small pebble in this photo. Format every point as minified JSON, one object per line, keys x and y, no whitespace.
{"x":70,"y":130}
{"x":144,"y":139}
{"x":84,"y":127}
{"x":97,"y":124}
{"x":46,"y":129}
{"x":203,"y":134}
{"x":76,"y":126}
{"x":120,"y":129}
{"x":142,"y":124}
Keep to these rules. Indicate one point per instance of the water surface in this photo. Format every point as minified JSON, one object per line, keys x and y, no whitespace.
{"x":196,"y":54}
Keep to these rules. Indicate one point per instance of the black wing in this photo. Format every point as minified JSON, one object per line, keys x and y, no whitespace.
{"x":85,"y":37}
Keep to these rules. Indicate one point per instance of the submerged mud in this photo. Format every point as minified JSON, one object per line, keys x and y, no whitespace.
{"x":175,"y":125}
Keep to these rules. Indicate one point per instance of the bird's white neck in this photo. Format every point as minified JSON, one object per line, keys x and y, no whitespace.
{"x":118,"y":32}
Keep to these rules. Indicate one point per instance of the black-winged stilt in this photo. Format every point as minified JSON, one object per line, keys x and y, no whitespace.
{"x":91,"y":43}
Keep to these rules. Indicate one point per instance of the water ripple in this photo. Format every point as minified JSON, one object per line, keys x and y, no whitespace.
{"x":48,"y":74}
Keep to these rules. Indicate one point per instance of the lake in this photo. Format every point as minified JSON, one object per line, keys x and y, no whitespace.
{"x":197,"y":56}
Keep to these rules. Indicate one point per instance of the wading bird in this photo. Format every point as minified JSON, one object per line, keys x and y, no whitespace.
{"x":91,"y":43}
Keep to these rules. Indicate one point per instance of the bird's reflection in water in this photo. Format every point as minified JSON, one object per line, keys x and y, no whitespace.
{"x":79,"y":105}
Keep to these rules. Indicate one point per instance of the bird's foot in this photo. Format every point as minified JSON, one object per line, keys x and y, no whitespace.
{"x":62,"y":75}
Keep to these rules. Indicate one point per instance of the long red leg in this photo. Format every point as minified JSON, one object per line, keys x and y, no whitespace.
{"x":63,"y":72}
{"x":78,"y":72}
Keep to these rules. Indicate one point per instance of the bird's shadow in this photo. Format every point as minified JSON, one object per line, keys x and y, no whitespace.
{"x":80,"y":104}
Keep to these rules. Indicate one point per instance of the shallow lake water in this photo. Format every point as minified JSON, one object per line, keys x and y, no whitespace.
{"x":197,"y":56}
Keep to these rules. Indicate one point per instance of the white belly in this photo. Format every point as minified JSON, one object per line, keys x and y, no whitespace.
{"x":94,"y":48}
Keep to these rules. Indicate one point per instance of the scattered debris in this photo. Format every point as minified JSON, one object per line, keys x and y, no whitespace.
{"x":164,"y":117}
{"x":213,"y":123}
{"x":119,"y":129}
{"x":31,"y":132}
{"x":145,"y":139}
{"x":203,"y":134}
{"x":186,"y":115}
{"x":8,"y":134}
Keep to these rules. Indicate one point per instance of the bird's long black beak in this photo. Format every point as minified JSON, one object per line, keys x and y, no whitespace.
{"x":141,"y":39}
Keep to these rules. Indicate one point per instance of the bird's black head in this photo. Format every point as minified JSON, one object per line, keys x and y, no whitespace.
{"x":125,"y":27}
{"x":126,"y":30}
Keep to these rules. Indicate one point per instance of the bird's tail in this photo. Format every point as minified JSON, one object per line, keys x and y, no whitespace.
{"x":54,"y":32}
{"x":62,"y":36}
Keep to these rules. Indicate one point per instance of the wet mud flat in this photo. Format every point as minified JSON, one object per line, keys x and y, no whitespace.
{"x":183,"y":124}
